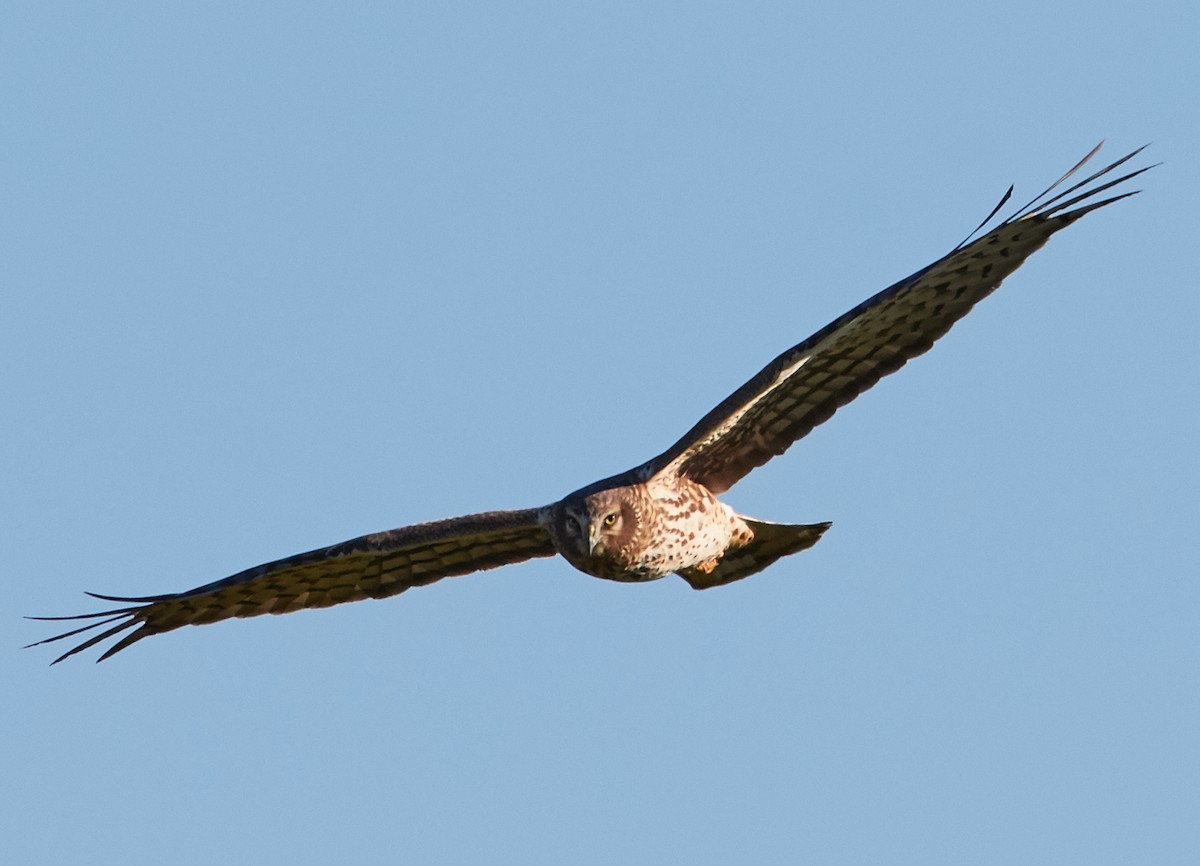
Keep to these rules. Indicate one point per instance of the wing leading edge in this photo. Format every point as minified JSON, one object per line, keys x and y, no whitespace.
{"x":805,"y":385}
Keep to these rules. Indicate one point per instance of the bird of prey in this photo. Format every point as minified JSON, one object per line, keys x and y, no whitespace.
{"x":664,"y":516}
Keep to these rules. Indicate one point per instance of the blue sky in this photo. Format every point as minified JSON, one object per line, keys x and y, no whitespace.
{"x":276,"y":275}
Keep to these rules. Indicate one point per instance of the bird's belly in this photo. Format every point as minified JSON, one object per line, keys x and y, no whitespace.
{"x":685,"y":544}
{"x":696,"y":534}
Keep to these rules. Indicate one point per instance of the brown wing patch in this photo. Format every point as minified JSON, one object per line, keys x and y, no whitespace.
{"x":372,"y":566}
{"x":804,"y":386}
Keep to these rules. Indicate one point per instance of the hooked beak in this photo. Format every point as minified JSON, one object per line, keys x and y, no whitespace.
{"x":594,"y":540}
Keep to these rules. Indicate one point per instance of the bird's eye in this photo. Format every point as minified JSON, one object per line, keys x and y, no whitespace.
{"x":610,"y":519}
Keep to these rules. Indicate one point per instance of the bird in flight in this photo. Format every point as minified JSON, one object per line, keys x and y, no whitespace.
{"x":664,"y":516}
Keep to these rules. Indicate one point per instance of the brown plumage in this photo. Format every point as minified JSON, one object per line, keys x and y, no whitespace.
{"x":661,"y":517}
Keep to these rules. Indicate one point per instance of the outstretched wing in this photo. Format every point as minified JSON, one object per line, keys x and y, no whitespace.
{"x":808,"y":383}
{"x":373,"y":566}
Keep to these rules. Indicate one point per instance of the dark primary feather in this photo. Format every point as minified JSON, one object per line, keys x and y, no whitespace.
{"x":808,"y":383}
{"x":372,"y":566}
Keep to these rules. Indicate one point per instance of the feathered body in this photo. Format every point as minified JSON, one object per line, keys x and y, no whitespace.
{"x":644,"y":531}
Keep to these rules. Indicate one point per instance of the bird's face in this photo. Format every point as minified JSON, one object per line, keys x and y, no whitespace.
{"x":598,"y":527}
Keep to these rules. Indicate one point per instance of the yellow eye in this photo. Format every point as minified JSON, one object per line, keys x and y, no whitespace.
{"x":610,"y":520}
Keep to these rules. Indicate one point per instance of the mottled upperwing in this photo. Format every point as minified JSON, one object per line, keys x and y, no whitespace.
{"x":808,"y":383}
{"x":372,"y":566}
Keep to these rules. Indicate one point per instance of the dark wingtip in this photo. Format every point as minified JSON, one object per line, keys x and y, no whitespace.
{"x":95,"y":639}
{"x":987,"y":219}
{"x":125,"y":642}
{"x":133,"y":599}
{"x":1044,"y":207}
{"x":123,"y":617}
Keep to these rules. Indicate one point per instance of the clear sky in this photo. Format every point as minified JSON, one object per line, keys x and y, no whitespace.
{"x":280,"y":274}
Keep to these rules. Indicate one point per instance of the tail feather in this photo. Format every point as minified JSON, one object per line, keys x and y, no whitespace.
{"x":771,"y":542}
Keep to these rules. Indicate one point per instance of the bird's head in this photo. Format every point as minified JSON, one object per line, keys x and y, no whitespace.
{"x":598,"y":526}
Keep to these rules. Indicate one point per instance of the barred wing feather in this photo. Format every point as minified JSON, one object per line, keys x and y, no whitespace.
{"x":373,"y":566}
{"x":808,"y":383}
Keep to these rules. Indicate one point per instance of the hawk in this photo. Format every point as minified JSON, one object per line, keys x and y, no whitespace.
{"x":664,"y":516}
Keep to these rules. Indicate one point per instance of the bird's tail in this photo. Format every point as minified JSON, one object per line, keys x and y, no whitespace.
{"x":771,"y":541}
